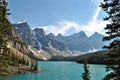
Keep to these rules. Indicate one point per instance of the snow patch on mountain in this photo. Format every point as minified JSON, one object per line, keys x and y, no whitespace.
{"x":21,"y":22}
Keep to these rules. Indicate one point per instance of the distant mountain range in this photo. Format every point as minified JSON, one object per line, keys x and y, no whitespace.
{"x":80,"y":41}
{"x":38,"y":39}
{"x":39,"y":44}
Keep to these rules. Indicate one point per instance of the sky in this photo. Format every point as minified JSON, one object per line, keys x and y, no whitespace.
{"x":59,"y":16}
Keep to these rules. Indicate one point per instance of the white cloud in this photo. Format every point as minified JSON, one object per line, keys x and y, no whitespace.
{"x":91,"y":27}
{"x":95,"y":25}
{"x":61,"y":27}
{"x":96,"y":14}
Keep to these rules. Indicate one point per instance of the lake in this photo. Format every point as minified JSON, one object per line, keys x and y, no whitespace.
{"x":62,"y":71}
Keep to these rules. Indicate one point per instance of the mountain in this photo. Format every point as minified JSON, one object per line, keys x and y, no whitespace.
{"x":39,"y":42}
{"x":96,"y":41}
{"x":20,"y":48}
{"x":47,"y":41}
{"x":51,"y":35}
{"x":37,"y":37}
{"x":25,"y":31}
{"x":27,"y":35}
{"x":80,"y":41}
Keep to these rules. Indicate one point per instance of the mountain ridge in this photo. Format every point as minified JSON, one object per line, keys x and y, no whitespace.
{"x":75,"y":42}
{"x":42,"y":46}
{"x":81,"y":42}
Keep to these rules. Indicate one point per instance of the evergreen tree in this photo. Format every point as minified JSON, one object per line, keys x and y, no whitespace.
{"x":4,"y":28}
{"x":86,"y":74}
{"x":3,"y":38}
{"x":8,"y":58}
{"x":112,"y":8}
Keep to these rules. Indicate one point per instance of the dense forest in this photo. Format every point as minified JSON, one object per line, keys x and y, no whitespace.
{"x":93,"y":58}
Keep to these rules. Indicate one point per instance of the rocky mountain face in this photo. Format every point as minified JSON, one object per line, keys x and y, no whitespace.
{"x":46,"y":41}
{"x":39,"y":42}
{"x":21,"y":48}
{"x":25,"y":31}
{"x":16,"y":44}
{"x":80,"y":42}
{"x":38,"y":39}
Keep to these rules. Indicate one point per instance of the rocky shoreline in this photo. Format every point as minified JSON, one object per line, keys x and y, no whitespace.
{"x":13,"y":70}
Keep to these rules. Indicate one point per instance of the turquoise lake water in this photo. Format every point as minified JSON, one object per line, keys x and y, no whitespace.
{"x":62,"y":71}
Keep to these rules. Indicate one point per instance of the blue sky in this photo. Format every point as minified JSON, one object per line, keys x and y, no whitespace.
{"x":59,"y":16}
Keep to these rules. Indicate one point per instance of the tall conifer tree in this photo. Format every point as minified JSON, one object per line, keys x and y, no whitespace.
{"x":112,"y":8}
{"x":86,"y":74}
{"x":4,"y":28}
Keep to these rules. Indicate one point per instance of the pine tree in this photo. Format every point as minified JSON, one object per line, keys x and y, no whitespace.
{"x":8,"y":58}
{"x":4,"y":28}
{"x":86,"y":74}
{"x":112,"y":8}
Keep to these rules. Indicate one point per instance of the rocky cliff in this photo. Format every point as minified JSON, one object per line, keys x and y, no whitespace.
{"x":39,"y":43}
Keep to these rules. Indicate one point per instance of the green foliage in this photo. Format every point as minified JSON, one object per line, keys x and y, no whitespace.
{"x":112,"y":8}
{"x":6,"y":57}
{"x":4,"y":28}
{"x":86,"y":74}
{"x":93,"y":58}
{"x":9,"y":34}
